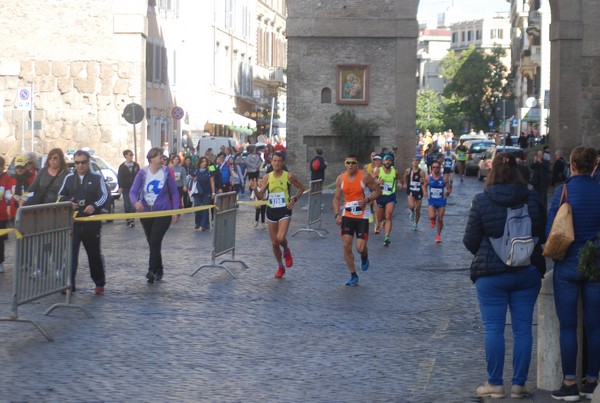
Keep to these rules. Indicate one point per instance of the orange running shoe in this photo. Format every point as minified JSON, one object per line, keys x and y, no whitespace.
{"x":280,"y":272}
{"x":289,"y":262}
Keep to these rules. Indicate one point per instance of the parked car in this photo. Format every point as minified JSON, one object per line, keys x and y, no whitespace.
{"x":473,"y":136}
{"x":485,"y":164}
{"x":215,"y":143}
{"x":475,"y":150}
{"x":107,"y":171}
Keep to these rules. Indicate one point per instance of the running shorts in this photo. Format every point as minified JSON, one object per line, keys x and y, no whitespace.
{"x":358,"y":226}
{"x":417,"y":195}
{"x":383,"y":200}
{"x":279,"y":213}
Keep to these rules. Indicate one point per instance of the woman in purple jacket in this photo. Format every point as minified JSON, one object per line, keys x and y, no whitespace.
{"x":154,"y":189}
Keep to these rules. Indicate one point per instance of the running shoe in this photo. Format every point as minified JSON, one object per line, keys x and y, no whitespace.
{"x":280,"y":272}
{"x":414,"y":226}
{"x":386,"y":241}
{"x":377,"y":230}
{"x":438,"y":239}
{"x":353,"y":281}
{"x":411,"y":216}
{"x":461,"y":179}
{"x":364,"y":264}
{"x":567,"y":393}
{"x":370,"y":219}
{"x":150,"y":276}
{"x":432,"y":223}
{"x":587,"y":389}
{"x":289,"y":262}
{"x":99,"y":290}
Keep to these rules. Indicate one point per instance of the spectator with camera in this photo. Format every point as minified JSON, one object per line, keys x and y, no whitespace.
{"x":86,"y":190}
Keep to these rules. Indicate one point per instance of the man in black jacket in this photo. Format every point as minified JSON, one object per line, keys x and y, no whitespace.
{"x":87,"y":192}
{"x":126,"y":174}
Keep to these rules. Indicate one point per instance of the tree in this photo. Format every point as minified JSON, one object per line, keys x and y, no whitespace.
{"x":430,"y":111}
{"x":357,"y":133}
{"x":477,"y":81}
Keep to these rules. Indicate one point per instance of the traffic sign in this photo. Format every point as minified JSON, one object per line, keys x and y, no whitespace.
{"x":177,"y":113}
{"x":24,"y":99}
{"x":133,"y":113}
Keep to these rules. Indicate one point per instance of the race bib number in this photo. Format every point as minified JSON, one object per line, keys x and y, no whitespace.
{"x":277,"y":200}
{"x":387,"y":187}
{"x":353,"y":208}
{"x":436,"y":193}
{"x":177,"y":176}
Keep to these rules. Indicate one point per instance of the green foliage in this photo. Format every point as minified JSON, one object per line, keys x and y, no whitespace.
{"x":477,"y":80}
{"x":357,"y":133}
{"x":430,"y":111}
{"x":589,"y":259}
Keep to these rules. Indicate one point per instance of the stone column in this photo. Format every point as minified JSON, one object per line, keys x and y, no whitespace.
{"x":549,"y":365}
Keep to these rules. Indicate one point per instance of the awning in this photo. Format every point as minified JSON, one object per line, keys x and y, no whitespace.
{"x":230,"y":118}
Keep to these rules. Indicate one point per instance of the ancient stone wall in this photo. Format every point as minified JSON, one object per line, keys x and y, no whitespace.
{"x":85,"y":64}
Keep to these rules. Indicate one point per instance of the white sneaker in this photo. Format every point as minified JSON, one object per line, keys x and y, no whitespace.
{"x":1,"y":267}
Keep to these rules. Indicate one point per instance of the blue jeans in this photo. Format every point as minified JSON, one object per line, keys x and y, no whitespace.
{"x":568,"y":283}
{"x":201,"y":217}
{"x":519,"y":291}
{"x":128,"y":207}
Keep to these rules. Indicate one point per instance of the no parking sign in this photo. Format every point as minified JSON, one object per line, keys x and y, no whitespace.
{"x":24,"y":99}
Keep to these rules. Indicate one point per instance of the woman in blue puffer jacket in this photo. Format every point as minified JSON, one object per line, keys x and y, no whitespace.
{"x":500,"y":286}
{"x":584,"y":196}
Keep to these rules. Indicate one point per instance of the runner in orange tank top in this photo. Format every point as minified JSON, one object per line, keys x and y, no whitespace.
{"x":358,"y":188}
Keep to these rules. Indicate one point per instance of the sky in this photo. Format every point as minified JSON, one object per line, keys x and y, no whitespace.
{"x":469,"y":8}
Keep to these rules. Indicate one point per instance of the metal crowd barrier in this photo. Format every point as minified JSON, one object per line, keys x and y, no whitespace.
{"x":42,"y":258}
{"x":224,"y":232}
{"x":315,"y":197}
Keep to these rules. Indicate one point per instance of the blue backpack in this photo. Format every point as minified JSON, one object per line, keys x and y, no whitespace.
{"x":516,"y":244}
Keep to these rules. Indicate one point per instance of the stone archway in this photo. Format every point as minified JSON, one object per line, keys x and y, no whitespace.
{"x":575,"y":74}
{"x":383,"y":35}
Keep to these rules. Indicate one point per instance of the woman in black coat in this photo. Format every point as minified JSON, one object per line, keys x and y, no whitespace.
{"x":498,"y":285}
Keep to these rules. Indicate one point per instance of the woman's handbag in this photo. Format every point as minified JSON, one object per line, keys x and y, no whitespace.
{"x":562,"y":233}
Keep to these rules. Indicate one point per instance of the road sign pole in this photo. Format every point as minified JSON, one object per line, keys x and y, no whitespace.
{"x":22,"y":131}
{"x":32,"y":116}
{"x":134,"y":138}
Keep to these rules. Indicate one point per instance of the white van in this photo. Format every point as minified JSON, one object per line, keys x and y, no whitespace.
{"x":215,"y":143}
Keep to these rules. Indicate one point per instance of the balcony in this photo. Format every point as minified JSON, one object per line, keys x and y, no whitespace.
{"x":536,"y":54}
{"x":535,"y":18}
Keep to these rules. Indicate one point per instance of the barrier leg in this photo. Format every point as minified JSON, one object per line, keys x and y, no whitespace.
{"x":35,"y":324}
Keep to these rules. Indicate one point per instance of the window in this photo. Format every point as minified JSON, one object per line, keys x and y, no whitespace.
{"x":470,"y":36}
{"x":462,"y":36}
{"x":149,"y":61}
{"x":326,"y":95}
{"x":454,"y":37}
{"x":478,"y":35}
{"x":496,"y":34}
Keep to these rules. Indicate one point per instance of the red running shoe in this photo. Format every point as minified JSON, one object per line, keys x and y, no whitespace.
{"x":438,"y":239}
{"x":432,"y":223}
{"x":289,"y":262}
{"x":99,"y":290}
{"x":280,"y":272}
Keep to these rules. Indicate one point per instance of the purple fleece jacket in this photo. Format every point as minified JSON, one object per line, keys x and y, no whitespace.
{"x":168,"y":198}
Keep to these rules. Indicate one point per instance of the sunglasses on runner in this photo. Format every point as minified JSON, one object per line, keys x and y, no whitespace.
{"x":351,"y":162}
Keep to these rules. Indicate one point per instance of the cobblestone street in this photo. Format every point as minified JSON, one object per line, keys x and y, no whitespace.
{"x":411,"y":331}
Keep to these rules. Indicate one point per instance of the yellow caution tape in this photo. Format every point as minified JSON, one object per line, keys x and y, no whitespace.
{"x":9,"y":230}
{"x":145,"y":214}
{"x":254,"y":203}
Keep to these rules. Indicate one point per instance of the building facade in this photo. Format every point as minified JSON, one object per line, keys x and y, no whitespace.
{"x":433,"y":45}
{"x":530,"y":47}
